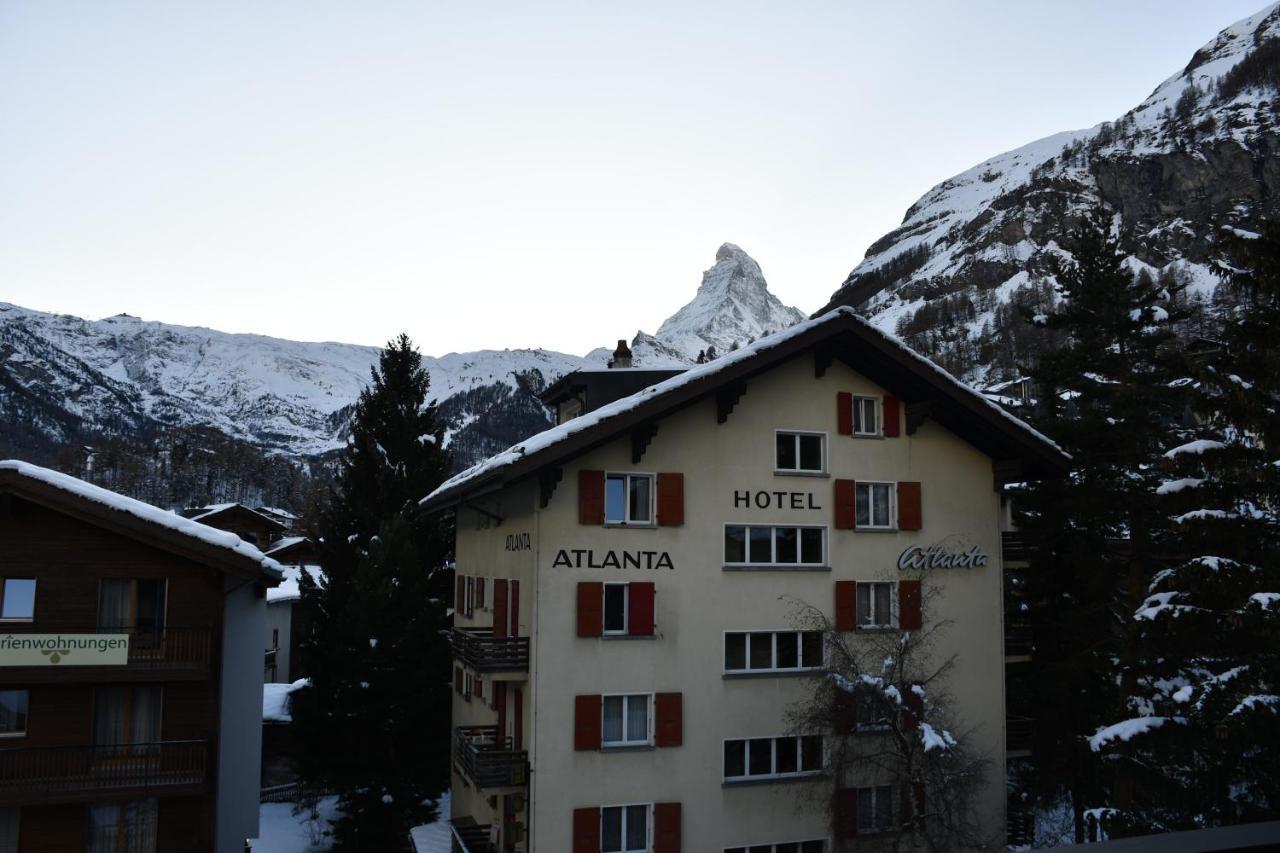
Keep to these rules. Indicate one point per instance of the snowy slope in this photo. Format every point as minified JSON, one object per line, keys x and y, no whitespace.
{"x":1192,"y":157}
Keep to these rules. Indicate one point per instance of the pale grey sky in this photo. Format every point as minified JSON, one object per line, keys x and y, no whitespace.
{"x":513,"y":174}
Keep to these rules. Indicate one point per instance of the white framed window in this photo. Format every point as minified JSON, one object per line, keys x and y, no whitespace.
{"x":817,"y":845}
{"x":772,"y":651}
{"x":17,"y":599}
{"x":626,"y":720}
{"x":870,"y":712}
{"x":874,"y":505}
{"x":800,"y":452}
{"x":765,"y":545}
{"x":616,"y":611}
{"x":469,"y":599}
{"x":875,"y":809}
{"x":772,"y":757}
{"x":875,"y":604}
{"x":628,"y":499}
{"x":866,"y":415}
{"x":13,"y":713}
{"x":624,"y":829}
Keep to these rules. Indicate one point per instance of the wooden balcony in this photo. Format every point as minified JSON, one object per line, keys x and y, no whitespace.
{"x":1018,"y":640}
{"x":487,"y":760}
{"x":68,"y":773}
{"x":483,"y":652}
{"x":1014,"y":548}
{"x":155,"y":654}
{"x":1019,"y":732}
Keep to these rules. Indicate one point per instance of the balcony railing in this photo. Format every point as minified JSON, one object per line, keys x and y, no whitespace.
{"x":469,"y":836}
{"x":1018,"y":639}
{"x":31,"y":774}
{"x":488,"y":760}
{"x":1014,"y":548}
{"x":1019,"y":732}
{"x":167,"y":652}
{"x":483,"y":652}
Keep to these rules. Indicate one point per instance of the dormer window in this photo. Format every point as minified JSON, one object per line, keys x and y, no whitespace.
{"x":628,"y":499}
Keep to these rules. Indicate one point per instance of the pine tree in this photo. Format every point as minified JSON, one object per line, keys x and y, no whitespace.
{"x":373,"y":726}
{"x":1107,"y":395}
{"x":1208,"y":705}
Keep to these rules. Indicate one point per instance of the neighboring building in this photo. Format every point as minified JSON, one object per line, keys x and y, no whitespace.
{"x":130,"y":695}
{"x":625,"y":647}
{"x":583,"y":391}
{"x":283,"y":663}
{"x":254,"y":527}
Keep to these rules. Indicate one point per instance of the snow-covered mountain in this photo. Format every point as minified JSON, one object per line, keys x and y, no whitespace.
{"x":733,"y":306}
{"x":65,"y":380}
{"x":1197,"y":155}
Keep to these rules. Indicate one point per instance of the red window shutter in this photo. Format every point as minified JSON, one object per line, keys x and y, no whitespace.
{"x":457,"y":680}
{"x":515,"y":609}
{"x":586,"y":831}
{"x":846,"y":517}
{"x":586,"y":722}
{"x":640,"y":608}
{"x":591,"y":497}
{"x":891,"y":417}
{"x":909,"y":615}
{"x":460,"y":601}
{"x":910,"y":516}
{"x":499,"y":607}
{"x":846,"y":605}
{"x":914,"y":712}
{"x":670,"y":500}
{"x":480,"y":592}
{"x":668,"y":713}
{"x":847,"y":802}
{"x":666,"y":828}
{"x":844,"y":413}
{"x":500,"y":705}
{"x":517,"y":712}
{"x":590,"y":609}
{"x":471,"y":595}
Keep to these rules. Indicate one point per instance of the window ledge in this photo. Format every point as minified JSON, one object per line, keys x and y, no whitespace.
{"x":774,"y":567}
{"x":773,"y":780}
{"x":639,"y":747}
{"x":622,"y":525}
{"x":17,"y":620}
{"x":628,"y":636}
{"x":777,"y":472}
{"x":876,"y":530}
{"x":784,"y":673}
{"x":875,"y":629}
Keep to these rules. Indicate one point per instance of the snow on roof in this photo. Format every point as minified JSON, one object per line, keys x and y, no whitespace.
{"x":275,"y":700}
{"x":144,"y":511}
{"x":275,"y":510}
{"x":214,"y":509}
{"x":556,"y":434}
{"x":289,"y":590}
{"x":285,"y":542}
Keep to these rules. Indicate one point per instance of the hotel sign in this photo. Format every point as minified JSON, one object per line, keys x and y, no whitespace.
{"x":942,"y":557}
{"x":64,"y":649}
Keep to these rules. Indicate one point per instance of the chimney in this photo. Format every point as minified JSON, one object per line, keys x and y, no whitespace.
{"x":621,"y":356}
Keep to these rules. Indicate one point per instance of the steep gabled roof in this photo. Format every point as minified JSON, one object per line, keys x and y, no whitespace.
{"x":137,"y":520}
{"x":926,"y":389}
{"x":223,"y":513}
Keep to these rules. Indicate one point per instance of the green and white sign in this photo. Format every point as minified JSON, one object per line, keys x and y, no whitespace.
{"x":64,"y":649}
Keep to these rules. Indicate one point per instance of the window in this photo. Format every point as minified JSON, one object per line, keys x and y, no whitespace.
{"x":625,"y":720}
{"x":123,"y":827}
{"x":870,"y":713}
{"x":875,"y":809}
{"x":875,"y":605}
{"x":13,"y":713}
{"x":9,"y":822}
{"x":817,"y":846}
{"x":772,"y":651}
{"x":137,"y":604}
{"x":865,"y":418}
{"x":615,"y":608}
{"x":469,"y":598}
{"x":624,"y":829}
{"x":18,"y":599}
{"x":873,"y":505}
{"x":628,"y":499}
{"x":756,"y":546}
{"x":772,"y":757}
{"x":125,"y":717}
{"x":800,"y":452}
{"x":275,"y":638}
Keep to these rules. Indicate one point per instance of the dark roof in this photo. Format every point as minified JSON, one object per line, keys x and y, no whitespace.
{"x":600,"y":387}
{"x":137,"y":520}
{"x":926,"y":389}
{"x":229,"y":514}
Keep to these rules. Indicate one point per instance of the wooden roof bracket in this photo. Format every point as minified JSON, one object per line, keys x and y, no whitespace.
{"x":727,"y":398}
{"x":548,"y":479}
{"x":917,"y":413}
{"x":640,"y":438}
{"x":823,"y":358}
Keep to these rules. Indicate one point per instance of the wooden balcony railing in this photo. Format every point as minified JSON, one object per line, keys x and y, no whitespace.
{"x":35,"y":774}
{"x":487,"y":760}
{"x":1019,"y":732}
{"x":1018,"y":639}
{"x":483,"y":652}
{"x":1014,"y":548}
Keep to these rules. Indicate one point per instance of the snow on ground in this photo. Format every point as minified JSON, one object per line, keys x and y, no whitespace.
{"x":282,"y":831}
{"x":434,"y":837}
{"x":275,"y":700}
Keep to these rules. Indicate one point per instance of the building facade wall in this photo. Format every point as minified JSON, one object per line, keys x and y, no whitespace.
{"x":697,"y":601}
{"x":240,"y":735}
{"x":278,"y":631}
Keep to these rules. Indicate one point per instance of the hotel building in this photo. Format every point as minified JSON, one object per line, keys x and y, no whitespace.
{"x":625,"y":637}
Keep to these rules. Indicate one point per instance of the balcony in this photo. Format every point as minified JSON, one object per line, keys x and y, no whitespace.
{"x":155,"y":654}
{"x":1018,"y":640}
{"x":469,"y":836}
{"x":1014,"y":548}
{"x":1019,"y":732}
{"x":488,"y":760}
{"x":483,"y":652}
{"x":65,"y":773}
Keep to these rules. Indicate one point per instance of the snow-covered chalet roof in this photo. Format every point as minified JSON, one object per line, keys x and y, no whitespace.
{"x":136,"y":519}
{"x":840,"y":333}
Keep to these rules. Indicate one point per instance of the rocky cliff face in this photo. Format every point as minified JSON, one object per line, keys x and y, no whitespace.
{"x":1197,"y":155}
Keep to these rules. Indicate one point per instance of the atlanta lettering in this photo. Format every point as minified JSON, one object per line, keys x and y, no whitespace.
{"x":576,"y":558}
{"x":518,"y":542}
{"x":937,"y":557}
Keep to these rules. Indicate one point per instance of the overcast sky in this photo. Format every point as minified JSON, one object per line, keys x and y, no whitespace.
{"x":487,"y":175}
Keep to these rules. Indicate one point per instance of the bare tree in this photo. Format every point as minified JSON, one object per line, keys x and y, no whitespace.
{"x":903,"y":776}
